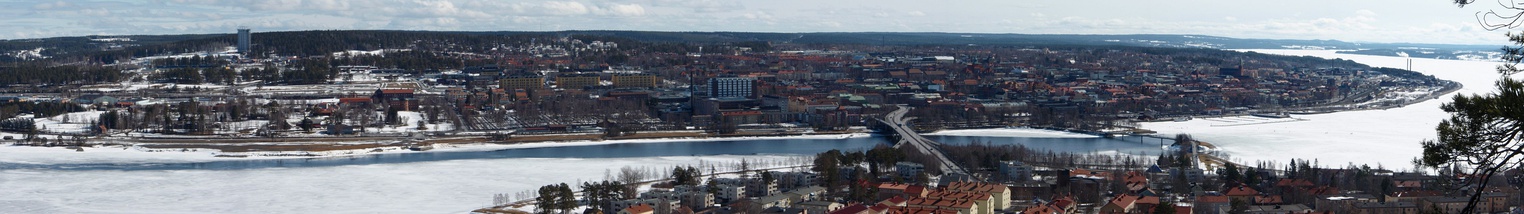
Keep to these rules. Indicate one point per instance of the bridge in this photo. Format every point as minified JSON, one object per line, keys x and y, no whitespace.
{"x":908,"y":136}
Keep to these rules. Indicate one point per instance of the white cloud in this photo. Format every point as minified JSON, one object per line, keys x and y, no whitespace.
{"x":564,"y":8}
{"x":51,"y":5}
{"x":1364,"y":12}
{"x":627,"y":10}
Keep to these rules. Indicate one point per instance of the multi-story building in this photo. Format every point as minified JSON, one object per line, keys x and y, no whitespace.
{"x":909,"y":170}
{"x":523,"y":81}
{"x":635,"y":80}
{"x":1016,"y":171}
{"x":577,"y":81}
{"x":731,"y":87}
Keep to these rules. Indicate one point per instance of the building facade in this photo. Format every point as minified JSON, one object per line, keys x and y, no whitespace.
{"x":731,"y":87}
{"x":635,"y":81}
{"x":576,"y":81}
{"x":526,"y":81}
{"x":243,"y":40}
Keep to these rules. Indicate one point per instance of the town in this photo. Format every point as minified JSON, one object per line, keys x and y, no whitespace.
{"x":322,"y":93}
{"x":410,"y":92}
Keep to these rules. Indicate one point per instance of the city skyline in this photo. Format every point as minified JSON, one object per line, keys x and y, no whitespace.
{"x":1356,"y":21}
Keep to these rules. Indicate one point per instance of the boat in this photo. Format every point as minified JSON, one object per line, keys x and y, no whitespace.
{"x":416,"y":147}
{"x":1272,"y":115}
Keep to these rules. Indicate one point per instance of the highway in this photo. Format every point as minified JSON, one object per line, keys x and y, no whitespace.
{"x":908,"y":136}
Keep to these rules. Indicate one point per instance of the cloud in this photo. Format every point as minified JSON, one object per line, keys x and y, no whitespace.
{"x":627,"y":10}
{"x":564,"y":8}
{"x":1364,"y":12}
{"x":51,"y":5}
{"x":703,"y":6}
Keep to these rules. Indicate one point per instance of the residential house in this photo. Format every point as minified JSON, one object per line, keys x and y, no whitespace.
{"x":854,"y":209}
{"x":638,"y":209}
{"x":1000,"y":194}
{"x":1213,"y":203}
{"x":1242,"y":193}
{"x":1043,"y":209}
{"x":1120,"y":204}
{"x":819,"y":207}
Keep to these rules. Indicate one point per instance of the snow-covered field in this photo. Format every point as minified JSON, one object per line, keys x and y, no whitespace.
{"x":455,"y":186}
{"x":1387,"y":137}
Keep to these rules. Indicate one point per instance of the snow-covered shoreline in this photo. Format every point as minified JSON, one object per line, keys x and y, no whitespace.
{"x":1377,"y":136}
{"x":453,"y":186}
{"x":140,"y":155}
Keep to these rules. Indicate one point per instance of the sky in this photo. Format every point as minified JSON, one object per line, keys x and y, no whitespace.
{"x":1387,"y":21}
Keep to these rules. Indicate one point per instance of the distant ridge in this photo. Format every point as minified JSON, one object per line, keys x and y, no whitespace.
{"x":80,"y":44}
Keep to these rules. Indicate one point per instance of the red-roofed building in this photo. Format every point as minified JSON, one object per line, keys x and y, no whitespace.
{"x":1135,"y":177}
{"x":1043,"y":209}
{"x":1243,"y":193}
{"x":1120,"y":204}
{"x":1213,"y":203}
{"x":854,"y":209}
{"x":1146,"y":202}
{"x":1293,"y":182}
{"x":916,"y":191}
{"x":895,"y":201}
{"x":400,"y":99}
{"x":1268,"y":200}
{"x":1292,"y":185}
{"x":355,"y":101}
{"x":1066,"y":204}
{"x":1082,"y":173}
{"x":638,"y":209}
{"x":999,"y":195}
{"x":917,"y":210}
{"x":880,"y":209}
{"x":1184,"y":209}
{"x":1408,"y":185}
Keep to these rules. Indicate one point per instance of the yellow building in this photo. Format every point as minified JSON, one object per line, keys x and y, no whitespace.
{"x":576,"y":81}
{"x":531,"y":82}
{"x":635,"y":81}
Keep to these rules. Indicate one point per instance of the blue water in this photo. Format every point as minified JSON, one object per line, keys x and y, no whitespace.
{"x":772,"y":146}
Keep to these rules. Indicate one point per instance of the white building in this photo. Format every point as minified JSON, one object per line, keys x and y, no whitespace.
{"x":1016,"y":170}
{"x":909,"y":170}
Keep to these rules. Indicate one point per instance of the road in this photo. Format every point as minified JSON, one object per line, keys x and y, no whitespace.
{"x":908,"y":136}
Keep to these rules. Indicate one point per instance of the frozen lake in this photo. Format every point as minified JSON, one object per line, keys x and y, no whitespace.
{"x":1386,"y":137}
{"x":425,"y":182}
